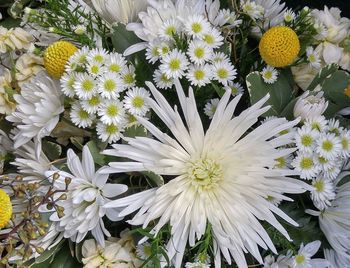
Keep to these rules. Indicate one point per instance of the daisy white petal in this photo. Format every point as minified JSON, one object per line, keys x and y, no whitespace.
{"x":80,"y":117}
{"x":236,"y":88}
{"x":199,"y":52}
{"x":97,"y":55}
{"x":135,"y":101}
{"x":109,"y":86}
{"x":224,"y":72}
{"x":213,"y":38}
{"x":115,"y":63}
{"x":322,"y":193}
{"x":85,"y":86}
{"x":161,"y":80}
{"x":269,"y":74}
{"x":196,"y":26}
{"x":174,"y":64}
{"x":91,"y":105}
{"x":170,"y":28}
{"x":305,"y":138}
{"x":110,"y":132}
{"x":129,"y":76}
{"x":67,"y":81}
{"x":306,"y":164}
{"x":328,"y":146}
{"x":289,"y":16}
{"x":199,"y":75}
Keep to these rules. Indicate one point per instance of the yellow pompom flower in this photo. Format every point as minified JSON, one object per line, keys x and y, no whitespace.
{"x":5,"y":209}
{"x":347,"y":91}
{"x":279,"y":46}
{"x":56,"y":57}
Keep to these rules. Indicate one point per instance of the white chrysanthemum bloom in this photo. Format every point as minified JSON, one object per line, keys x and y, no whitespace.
{"x":112,"y":112}
{"x":110,"y":132}
{"x":236,"y":88}
{"x":170,"y":28}
{"x":199,"y":52}
{"x":81,"y":117}
{"x":67,"y":84}
{"x":87,"y":193}
{"x":174,"y":64}
{"x":328,"y":146}
{"x":306,"y":164}
{"x":310,"y":106}
{"x":129,"y":76}
{"x":210,"y":107}
{"x":97,"y":55}
{"x":109,"y":86}
{"x":14,"y":38}
{"x":213,"y":171}
{"x":161,"y":80}
{"x":199,"y":75}
{"x":318,"y":123}
{"x":336,"y":260}
{"x":305,"y":139}
{"x":115,"y":63}
{"x":213,"y":38}
{"x":303,"y":258}
{"x":135,"y":101}
{"x":322,"y":193}
{"x":289,"y":16}
{"x":92,"y":105}
{"x":224,"y":72}
{"x":85,"y":86}
{"x":196,"y":25}
{"x":269,"y":74}
{"x":283,"y":261}
{"x":38,"y":108}
{"x":313,"y":58}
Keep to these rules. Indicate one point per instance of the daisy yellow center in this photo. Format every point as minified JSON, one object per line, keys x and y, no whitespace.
{"x":56,"y":56}
{"x":234,"y":90}
{"x":129,"y":78}
{"x":94,"y":101}
{"x":164,"y":78}
{"x":209,"y":39}
{"x":82,"y":59}
{"x":94,"y":69}
{"x":281,"y":162}
{"x":268,"y":74}
{"x":345,"y":143}
{"x":170,"y":30}
{"x":319,"y":186}
{"x":174,"y":64}
{"x":114,"y":67}
{"x":327,"y":145}
{"x":70,"y":83}
{"x":83,"y":114}
{"x":322,"y":160}
{"x":347,"y":91}
{"x":306,"y":140}
{"x":111,"y":129}
{"x":138,"y":102}
{"x":205,"y":173}
{"x":87,"y":85}
{"x":306,"y":163}
{"x":222,"y":73}
{"x":5,"y":208}
{"x":98,"y":58}
{"x":299,"y":259}
{"x":279,"y":46}
{"x":199,"y":74}
{"x":165,"y":50}
{"x":147,"y":250}
{"x":112,"y":110}
{"x":316,"y":125}
{"x":196,"y":27}
{"x":199,"y":52}
{"x":109,"y":85}
{"x":312,"y":58}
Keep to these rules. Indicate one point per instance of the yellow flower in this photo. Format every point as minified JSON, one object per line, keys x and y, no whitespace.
{"x":347,"y":91}
{"x":56,"y":57}
{"x":279,"y":46}
{"x":5,"y":209}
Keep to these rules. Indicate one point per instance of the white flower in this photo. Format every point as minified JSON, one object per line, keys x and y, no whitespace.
{"x":289,"y":16}
{"x":219,"y":57}
{"x":283,"y":261}
{"x":318,"y":123}
{"x":97,"y":55}
{"x":77,"y":60}
{"x":85,"y":86}
{"x":305,"y":139}
{"x":95,"y":69}
{"x":213,"y":38}
{"x":161,"y":80}
{"x":196,"y":25}
{"x":224,"y":72}
{"x":152,"y":52}
{"x":210,"y":107}
{"x":80,"y":117}
{"x":110,"y":132}
{"x":109,"y":86}
{"x":87,"y":193}
{"x":303,"y":75}
{"x":236,"y":88}
{"x":129,"y":76}
{"x":38,"y":108}
{"x":269,"y":74}
{"x":112,"y":112}
{"x":67,"y":84}
{"x":170,"y":28}
{"x":313,"y":58}
{"x":345,"y":142}
{"x":303,"y":258}
{"x":14,"y":39}
{"x":322,"y":193}
{"x":144,"y":250}
{"x":174,"y":64}
{"x":135,"y":101}
{"x":199,"y":75}
{"x":306,"y":164}
{"x":328,"y":146}
{"x":199,"y":52}
{"x":210,"y":170}
{"x":310,"y":106}
{"x":253,"y":10}
{"x":92,"y":105}
{"x":336,"y":260}
{"x":115,"y":63}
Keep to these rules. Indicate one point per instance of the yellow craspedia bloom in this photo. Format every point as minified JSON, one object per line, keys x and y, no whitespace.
{"x":347,"y":91}
{"x":56,"y":57}
{"x":279,"y":46}
{"x":5,"y":209}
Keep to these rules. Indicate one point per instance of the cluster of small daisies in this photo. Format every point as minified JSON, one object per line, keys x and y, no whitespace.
{"x":190,"y":49}
{"x":322,"y":148}
{"x":103,"y":92}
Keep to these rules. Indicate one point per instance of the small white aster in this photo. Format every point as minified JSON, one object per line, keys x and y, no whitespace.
{"x":91,"y":105}
{"x":199,"y":52}
{"x":110,"y":132}
{"x":109,"y":86}
{"x":95,"y":69}
{"x":161,"y":80}
{"x":345,"y":143}
{"x":210,"y":107}
{"x":67,"y":81}
{"x":111,"y":112}
{"x":135,"y":101}
{"x":303,"y":258}
{"x":328,"y":146}
{"x":213,"y":38}
{"x":199,"y":75}
{"x":144,"y":250}
{"x":196,"y":25}
{"x":152,"y":52}
{"x":332,"y":172}
{"x":252,"y":9}
{"x":224,"y":72}
{"x":170,"y":28}
{"x":174,"y":64}
{"x":322,"y":192}
{"x":269,"y":74}
{"x":305,"y":138}
{"x":318,"y":123}
{"x":85,"y":86}
{"x":289,"y":16}
{"x":129,"y":76}
{"x":306,"y":164}
{"x":97,"y":55}
{"x":313,"y":58}
{"x":163,"y":49}
{"x":115,"y":63}
{"x":80,"y":117}
{"x":77,"y":60}
{"x":219,"y":57}
{"x":236,"y":88}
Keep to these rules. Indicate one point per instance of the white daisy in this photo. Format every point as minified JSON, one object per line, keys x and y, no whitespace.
{"x":289,"y":16}
{"x":112,"y":112}
{"x":309,"y":105}
{"x":152,"y":52}
{"x":210,"y":174}
{"x":67,"y":84}
{"x":269,"y":74}
{"x":305,"y":139}
{"x":345,"y":142}
{"x":303,"y":258}
{"x":163,"y":49}
{"x":196,"y":25}
{"x":306,"y":164}
{"x":199,"y":52}
{"x":313,"y":58}
{"x":252,"y":9}
{"x":170,"y":28}
{"x":110,"y":132}
{"x":328,"y":146}
{"x":219,"y":57}
{"x":283,"y":261}
{"x":87,"y":193}
{"x":80,"y":117}
{"x":85,"y":86}
{"x":333,"y":171}
{"x":77,"y":61}
{"x":129,"y":76}
{"x":199,"y":75}
{"x":91,"y":105}
{"x":135,"y":101}
{"x":322,"y":193}
{"x":224,"y":72}
{"x":236,"y":88}
{"x":95,"y":69}
{"x":115,"y":63}
{"x":37,"y":111}
{"x":174,"y":64}
{"x":210,"y":107}
{"x":318,"y":123}
{"x":144,"y":250}
{"x":109,"y":86}
{"x":97,"y":55}
{"x":213,"y":38}
{"x":324,"y":163}
{"x":161,"y":80}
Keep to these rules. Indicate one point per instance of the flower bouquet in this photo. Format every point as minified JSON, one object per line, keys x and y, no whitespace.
{"x":173,"y":133}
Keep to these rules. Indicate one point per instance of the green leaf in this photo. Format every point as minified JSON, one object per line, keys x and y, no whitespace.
{"x":288,"y":112}
{"x":334,"y":88}
{"x":322,"y":75}
{"x":10,"y":22}
{"x":52,"y":150}
{"x":96,"y":153}
{"x":135,"y":131}
{"x":281,"y":92}
{"x":155,"y":178}
{"x":48,"y":254}
{"x":122,"y":38}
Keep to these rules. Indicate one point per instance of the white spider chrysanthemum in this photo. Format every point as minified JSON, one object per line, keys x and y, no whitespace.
{"x":67,"y":84}
{"x":174,"y":64}
{"x":269,"y":74}
{"x":135,"y":101}
{"x":199,"y":75}
{"x":336,"y":260}
{"x":109,"y":86}
{"x":322,"y":193}
{"x":213,"y":38}
{"x":328,"y":146}
{"x":87,"y":193}
{"x":37,"y":112}
{"x":161,"y":80}
{"x":210,"y":107}
{"x":80,"y":117}
{"x":199,"y":52}
{"x":305,"y":139}
{"x":313,"y":58}
{"x":196,"y":26}
{"x":236,"y":88}
{"x":91,"y":105}
{"x":289,"y":16}
{"x":112,"y":112}
{"x":222,"y":177}
{"x":85,"y":86}
{"x":110,"y":132}
{"x":224,"y":72}
{"x":307,"y":165}
{"x":303,"y":258}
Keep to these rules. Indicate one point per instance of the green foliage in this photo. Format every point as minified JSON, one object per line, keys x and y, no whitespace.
{"x":122,"y":38}
{"x":52,"y":150}
{"x":95,"y":151}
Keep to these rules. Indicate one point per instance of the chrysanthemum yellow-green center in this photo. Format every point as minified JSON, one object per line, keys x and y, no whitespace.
{"x":170,"y":30}
{"x":174,"y":64}
{"x":299,"y":259}
{"x":306,"y":140}
{"x":109,"y":85}
{"x":114,"y":67}
{"x":112,"y":110}
{"x":199,"y":74}
{"x":138,"y":102}
{"x":205,"y":173}
{"x":222,"y":73}
{"x":83,"y":114}
{"x":94,"y":101}
{"x":87,"y":85}
{"x":327,"y":145}
{"x":111,"y":129}
{"x":196,"y":27}
{"x":319,"y":186}
{"x":306,"y":163}
{"x":98,"y":58}
{"x":129,"y":78}
{"x":5,"y":209}
{"x":209,"y":39}
{"x":199,"y":52}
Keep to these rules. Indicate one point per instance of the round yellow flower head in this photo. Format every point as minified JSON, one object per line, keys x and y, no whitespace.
{"x":279,"y":46}
{"x":347,"y":91}
{"x":56,"y":57}
{"x":5,"y":209}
